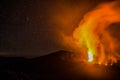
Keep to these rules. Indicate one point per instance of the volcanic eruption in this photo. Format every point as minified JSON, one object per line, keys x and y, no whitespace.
{"x":93,"y":34}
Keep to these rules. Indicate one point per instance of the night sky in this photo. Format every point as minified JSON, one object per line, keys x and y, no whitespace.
{"x":37,"y":27}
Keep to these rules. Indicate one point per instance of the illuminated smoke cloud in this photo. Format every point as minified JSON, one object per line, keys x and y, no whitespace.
{"x":93,"y":33}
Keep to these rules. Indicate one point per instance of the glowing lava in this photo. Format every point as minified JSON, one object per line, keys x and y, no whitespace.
{"x":90,"y":56}
{"x":93,"y":35}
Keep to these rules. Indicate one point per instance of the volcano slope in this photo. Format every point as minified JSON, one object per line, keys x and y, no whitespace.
{"x":61,"y":65}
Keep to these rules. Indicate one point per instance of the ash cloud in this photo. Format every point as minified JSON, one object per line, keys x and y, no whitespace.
{"x":38,"y":27}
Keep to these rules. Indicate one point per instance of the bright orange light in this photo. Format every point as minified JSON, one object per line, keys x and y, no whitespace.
{"x":94,"y":36}
{"x":90,"y":56}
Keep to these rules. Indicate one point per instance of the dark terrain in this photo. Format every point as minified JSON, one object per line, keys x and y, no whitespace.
{"x":55,"y":66}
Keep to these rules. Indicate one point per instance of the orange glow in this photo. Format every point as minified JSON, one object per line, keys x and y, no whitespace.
{"x":92,"y":33}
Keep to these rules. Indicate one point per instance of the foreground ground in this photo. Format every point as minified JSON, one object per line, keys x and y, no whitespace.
{"x":56,"y":66}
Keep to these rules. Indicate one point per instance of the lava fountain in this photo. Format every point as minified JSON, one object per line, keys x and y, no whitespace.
{"x":92,"y":33}
{"x":90,"y":56}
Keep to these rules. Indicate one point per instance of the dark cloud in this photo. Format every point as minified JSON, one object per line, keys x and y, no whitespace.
{"x":37,"y":27}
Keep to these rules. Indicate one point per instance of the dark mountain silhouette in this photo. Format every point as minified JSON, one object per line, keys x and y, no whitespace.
{"x":55,"y":66}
